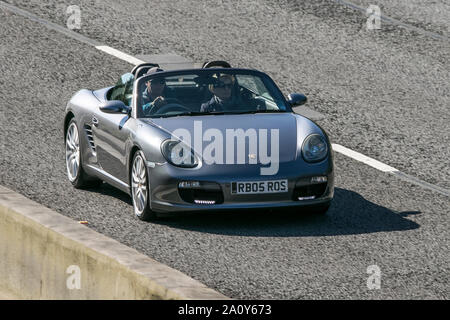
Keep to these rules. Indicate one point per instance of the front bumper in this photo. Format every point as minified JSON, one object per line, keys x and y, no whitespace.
{"x":165,"y":195}
{"x":166,"y":207}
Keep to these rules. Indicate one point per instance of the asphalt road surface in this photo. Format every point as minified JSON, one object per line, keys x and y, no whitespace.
{"x":384,"y":93}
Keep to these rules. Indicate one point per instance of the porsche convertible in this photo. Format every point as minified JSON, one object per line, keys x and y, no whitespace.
{"x":204,"y":139}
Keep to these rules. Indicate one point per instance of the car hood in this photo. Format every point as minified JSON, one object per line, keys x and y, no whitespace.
{"x":284,"y":132}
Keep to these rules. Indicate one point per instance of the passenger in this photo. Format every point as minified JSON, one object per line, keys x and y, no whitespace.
{"x":227,"y":97}
{"x":223,"y":98}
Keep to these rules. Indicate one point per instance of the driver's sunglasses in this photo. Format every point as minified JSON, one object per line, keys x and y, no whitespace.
{"x":223,"y":85}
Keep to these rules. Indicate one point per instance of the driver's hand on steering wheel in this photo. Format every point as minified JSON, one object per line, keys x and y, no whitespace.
{"x":152,"y":107}
{"x":159,"y":102}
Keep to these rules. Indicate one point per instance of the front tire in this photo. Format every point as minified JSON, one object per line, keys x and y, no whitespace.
{"x":140,"y":191}
{"x":77,"y":176}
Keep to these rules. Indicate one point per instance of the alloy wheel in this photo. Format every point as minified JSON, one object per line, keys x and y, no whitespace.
{"x":72,"y":152}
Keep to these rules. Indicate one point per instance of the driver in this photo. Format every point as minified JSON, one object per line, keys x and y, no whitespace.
{"x":153,"y":96}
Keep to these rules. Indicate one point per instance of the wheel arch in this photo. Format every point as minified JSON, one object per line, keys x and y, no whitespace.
{"x":69,"y":116}
{"x":133,"y":151}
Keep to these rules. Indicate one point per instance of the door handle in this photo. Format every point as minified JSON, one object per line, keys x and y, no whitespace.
{"x":94,"y":121}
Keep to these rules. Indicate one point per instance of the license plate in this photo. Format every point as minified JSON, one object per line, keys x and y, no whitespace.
{"x":254,"y":187}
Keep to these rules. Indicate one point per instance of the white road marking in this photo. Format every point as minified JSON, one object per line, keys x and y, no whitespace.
{"x":119,"y":54}
{"x":362,"y":158}
{"x":135,"y":61}
{"x":388,"y":169}
{"x":48,"y":24}
{"x":72,"y":34}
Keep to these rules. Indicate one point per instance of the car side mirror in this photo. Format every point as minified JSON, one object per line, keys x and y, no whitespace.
{"x":115,"y":106}
{"x":297,"y":99}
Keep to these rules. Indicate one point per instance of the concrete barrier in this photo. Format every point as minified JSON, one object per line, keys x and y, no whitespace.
{"x":45,"y":255}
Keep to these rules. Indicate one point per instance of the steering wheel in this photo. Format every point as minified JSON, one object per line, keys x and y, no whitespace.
{"x":172,"y":105}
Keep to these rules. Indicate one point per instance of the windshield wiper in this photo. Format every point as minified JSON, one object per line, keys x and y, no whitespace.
{"x":198,"y":113}
{"x":260,"y":111}
{"x":190,"y":113}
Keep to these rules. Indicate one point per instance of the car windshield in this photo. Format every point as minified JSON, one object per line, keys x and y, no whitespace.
{"x":207,"y":92}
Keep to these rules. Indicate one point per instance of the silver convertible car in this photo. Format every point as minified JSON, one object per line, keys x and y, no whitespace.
{"x":212,"y":138}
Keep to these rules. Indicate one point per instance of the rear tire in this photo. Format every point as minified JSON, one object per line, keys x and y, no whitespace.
{"x":74,"y":166}
{"x":140,"y":191}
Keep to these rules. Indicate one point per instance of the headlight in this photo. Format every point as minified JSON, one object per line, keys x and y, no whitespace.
{"x":314,"y":148}
{"x":178,"y":154}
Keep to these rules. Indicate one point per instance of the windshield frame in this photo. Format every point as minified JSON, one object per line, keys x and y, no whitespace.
{"x":264,"y":77}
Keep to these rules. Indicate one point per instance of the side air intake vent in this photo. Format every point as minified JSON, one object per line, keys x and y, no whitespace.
{"x":90,"y":137}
